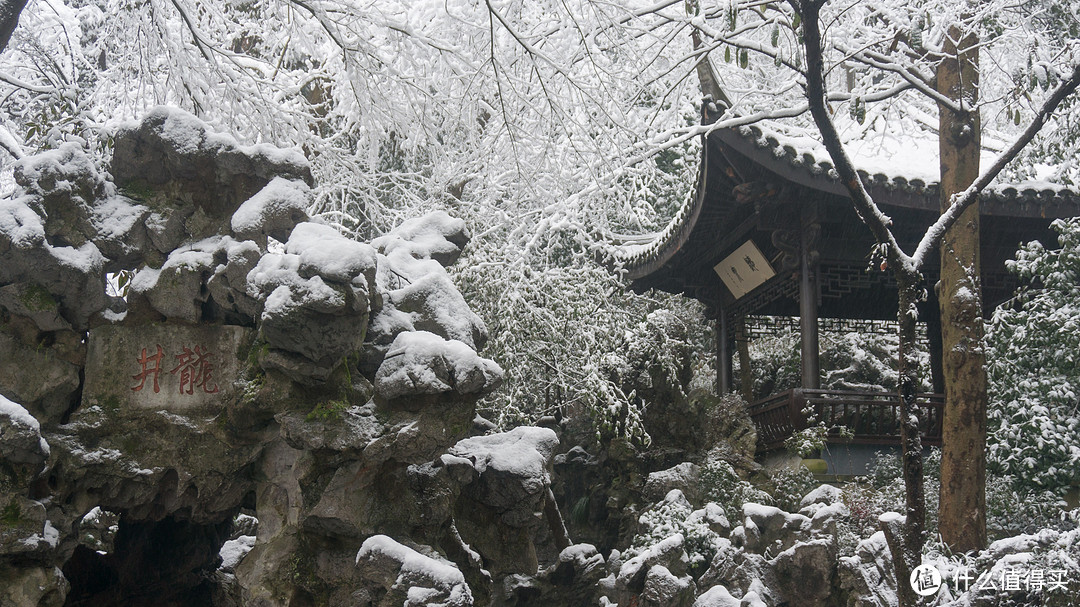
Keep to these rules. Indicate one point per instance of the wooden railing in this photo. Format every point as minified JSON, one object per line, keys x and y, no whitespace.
{"x":873,"y":417}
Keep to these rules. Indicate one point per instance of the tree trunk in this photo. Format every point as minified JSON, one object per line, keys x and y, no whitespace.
{"x":9,"y":19}
{"x":962,"y":512}
{"x":914,"y":528}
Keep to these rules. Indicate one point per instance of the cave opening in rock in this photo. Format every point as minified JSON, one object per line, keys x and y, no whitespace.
{"x":165,"y":563}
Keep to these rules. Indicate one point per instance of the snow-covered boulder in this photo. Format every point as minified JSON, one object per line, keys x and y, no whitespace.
{"x":65,"y":184}
{"x":272,"y":212}
{"x":23,"y":452}
{"x":25,"y":531}
{"x":186,"y":169}
{"x":824,"y":494}
{"x":436,"y":236}
{"x":868,"y":576}
{"x":422,"y":363}
{"x":399,"y":575}
{"x":769,"y":529}
{"x":713,"y":517}
{"x":504,"y":507}
{"x":717,"y":596}
{"x":512,"y":466}
{"x":655,"y":577}
{"x":79,"y":206}
{"x":68,"y":280}
{"x":419,"y":294}
{"x":315,"y":300}
{"x":684,"y":477}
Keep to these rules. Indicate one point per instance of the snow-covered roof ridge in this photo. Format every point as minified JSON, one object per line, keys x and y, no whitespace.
{"x":916,"y":172}
{"x":637,"y":255}
{"x":912,"y":171}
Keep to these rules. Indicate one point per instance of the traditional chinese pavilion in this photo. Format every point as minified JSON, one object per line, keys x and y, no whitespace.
{"x":771,"y":231}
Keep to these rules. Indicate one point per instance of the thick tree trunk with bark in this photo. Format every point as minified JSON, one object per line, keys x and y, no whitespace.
{"x":9,"y":19}
{"x":914,"y":529}
{"x":963,"y":455}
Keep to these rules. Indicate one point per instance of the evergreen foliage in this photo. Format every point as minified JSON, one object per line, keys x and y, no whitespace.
{"x":1034,"y":368}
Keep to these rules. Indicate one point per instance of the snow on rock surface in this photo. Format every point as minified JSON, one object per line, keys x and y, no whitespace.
{"x":436,"y":236}
{"x":233,"y":551}
{"x":824,"y":494}
{"x":655,"y":577}
{"x":410,"y":578}
{"x":20,"y":437}
{"x":869,"y":573}
{"x":420,"y":362}
{"x":420,"y":295}
{"x":196,"y":178}
{"x":524,"y":451}
{"x":683,"y":477}
{"x":179,"y":136}
{"x":326,"y":252}
{"x":717,"y":596}
{"x":273,"y":211}
{"x":770,"y":528}
{"x":71,"y":278}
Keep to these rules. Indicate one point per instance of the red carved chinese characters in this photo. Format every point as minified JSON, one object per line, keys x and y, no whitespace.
{"x":195,"y":369}
{"x":151,"y":365}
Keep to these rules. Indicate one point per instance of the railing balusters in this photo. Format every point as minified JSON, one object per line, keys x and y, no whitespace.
{"x":872,"y":416}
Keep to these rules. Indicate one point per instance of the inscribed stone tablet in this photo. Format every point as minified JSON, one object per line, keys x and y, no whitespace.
{"x":165,"y":366}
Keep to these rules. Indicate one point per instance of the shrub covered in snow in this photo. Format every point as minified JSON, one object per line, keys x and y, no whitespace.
{"x":1033,"y":365}
{"x":849,"y":361}
{"x":675,"y":515}
{"x":721,"y":484}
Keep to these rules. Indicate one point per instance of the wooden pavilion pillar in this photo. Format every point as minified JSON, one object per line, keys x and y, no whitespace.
{"x":935,"y":345}
{"x":723,"y":352}
{"x":808,"y":299}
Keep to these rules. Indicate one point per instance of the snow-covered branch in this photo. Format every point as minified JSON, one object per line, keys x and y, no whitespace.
{"x":868,"y":211}
{"x":965,"y":199}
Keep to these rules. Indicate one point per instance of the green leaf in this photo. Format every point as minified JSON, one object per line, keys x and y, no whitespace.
{"x":744,"y":58}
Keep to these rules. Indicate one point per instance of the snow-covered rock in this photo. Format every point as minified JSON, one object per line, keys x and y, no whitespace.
{"x":655,"y":577}
{"x":510,"y":498}
{"x":422,"y":363}
{"x":272,"y":212}
{"x":419,"y":294}
{"x":684,"y":477}
{"x":22,"y":448}
{"x":717,"y":596}
{"x":824,"y":494}
{"x":403,"y":576}
{"x":171,"y":150}
{"x":869,"y":575}
{"x":436,"y":236}
{"x":233,"y":551}
{"x":769,"y":529}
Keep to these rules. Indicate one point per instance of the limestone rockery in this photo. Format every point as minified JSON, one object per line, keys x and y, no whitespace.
{"x":209,"y":398}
